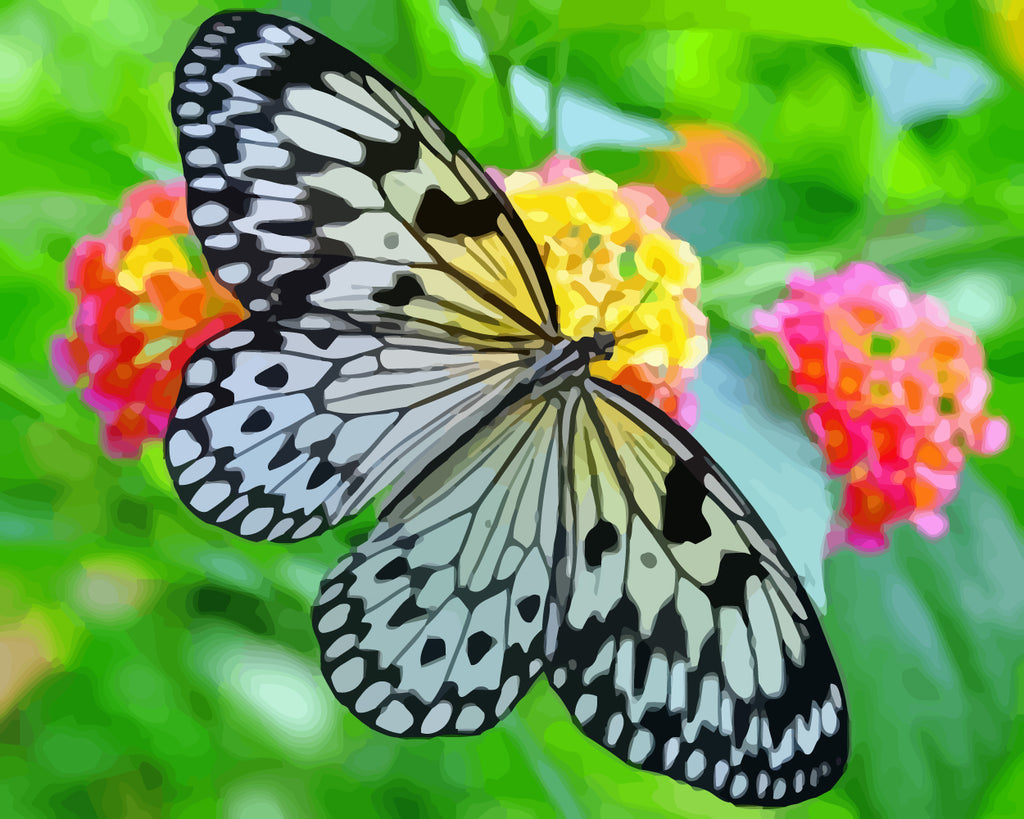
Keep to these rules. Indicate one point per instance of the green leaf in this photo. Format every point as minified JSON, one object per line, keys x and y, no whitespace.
{"x":831,"y":21}
{"x":927,"y":638}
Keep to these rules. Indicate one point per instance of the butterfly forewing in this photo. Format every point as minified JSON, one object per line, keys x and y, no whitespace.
{"x":686,"y":644}
{"x":334,"y":205}
{"x":314,"y":182}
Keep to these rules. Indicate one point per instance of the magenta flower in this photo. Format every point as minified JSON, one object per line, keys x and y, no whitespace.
{"x":897,"y":394}
{"x":147,"y":301}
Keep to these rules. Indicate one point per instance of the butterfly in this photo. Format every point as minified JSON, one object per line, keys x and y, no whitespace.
{"x":403,"y":349}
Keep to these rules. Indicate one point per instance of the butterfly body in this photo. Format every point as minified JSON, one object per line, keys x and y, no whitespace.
{"x":404,"y":345}
{"x":569,"y":359}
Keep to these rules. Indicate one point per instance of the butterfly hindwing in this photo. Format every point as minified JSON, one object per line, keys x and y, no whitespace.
{"x":435,"y":624}
{"x":686,"y":644}
{"x":283,"y":429}
{"x":314,"y":182}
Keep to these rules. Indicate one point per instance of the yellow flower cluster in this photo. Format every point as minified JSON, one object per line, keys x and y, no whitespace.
{"x":614,"y":268}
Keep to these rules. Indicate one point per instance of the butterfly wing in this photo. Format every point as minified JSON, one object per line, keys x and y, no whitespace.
{"x":284,"y":428}
{"x":435,"y":624}
{"x":395,"y":295}
{"x":686,"y":643}
{"x":315,"y":183}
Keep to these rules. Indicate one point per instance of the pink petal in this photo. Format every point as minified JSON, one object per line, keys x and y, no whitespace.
{"x":497,"y":177}
{"x":560,"y":167}
{"x":930,"y":524}
{"x":995,"y":436}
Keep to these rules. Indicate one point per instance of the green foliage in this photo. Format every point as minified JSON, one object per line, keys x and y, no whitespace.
{"x":173,"y":668}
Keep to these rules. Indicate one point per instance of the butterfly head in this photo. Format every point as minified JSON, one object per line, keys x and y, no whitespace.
{"x":599,"y":346}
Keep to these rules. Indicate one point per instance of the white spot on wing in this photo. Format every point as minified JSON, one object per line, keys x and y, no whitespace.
{"x":670,"y":752}
{"x":210,"y":213}
{"x":737,"y":662}
{"x":209,"y":495}
{"x":586,"y":707}
{"x":738,"y":786}
{"x":347,"y":89}
{"x":372,"y":697}
{"x":395,"y":718}
{"x":193,"y":405}
{"x":232,"y":340}
{"x":321,"y":139}
{"x":335,"y":618}
{"x":721,"y":772}
{"x":471,"y":718}
{"x":341,"y":113}
{"x":201,"y":158}
{"x":200,"y":469}
{"x":307,"y":528}
{"x":613,"y":729}
{"x":183,"y":448}
{"x":640,"y":746}
{"x":437,"y":718}
{"x":695,"y":765}
{"x":256,"y":521}
{"x":344,"y":644}
{"x":348,"y":675}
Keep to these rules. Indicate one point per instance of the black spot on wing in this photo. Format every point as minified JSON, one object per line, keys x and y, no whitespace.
{"x":273,"y":378}
{"x":285,"y":455}
{"x":258,"y":420}
{"x":683,"y":520}
{"x":602,"y":538}
{"x":329,"y":208}
{"x":321,"y":474}
{"x":669,"y":632}
{"x":232,"y":197}
{"x":322,"y":338}
{"x":727,"y":589}
{"x":433,"y":649}
{"x":641,"y":662}
{"x":254,"y":119}
{"x":440,"y":215}
{"x":406,"y":288}
{"x":478,"y":645}
{"x":409,"y":610}
{"x":393,"y":569}
{"x":528,"y":607}
{"x":347,"y":472}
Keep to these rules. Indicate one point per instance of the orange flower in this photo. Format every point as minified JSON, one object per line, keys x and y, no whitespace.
{"x":711,"y":157}
{"x":146,"y":302}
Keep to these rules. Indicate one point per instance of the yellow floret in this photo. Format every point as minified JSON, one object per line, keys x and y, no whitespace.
{"x":611,"y":270}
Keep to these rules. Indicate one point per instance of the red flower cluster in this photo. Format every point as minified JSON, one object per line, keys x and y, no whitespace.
{"x":897,"y":393}
{"x":146,"y":302}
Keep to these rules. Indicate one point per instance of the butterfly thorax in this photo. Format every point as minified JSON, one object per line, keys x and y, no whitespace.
{"x":570,"y":358}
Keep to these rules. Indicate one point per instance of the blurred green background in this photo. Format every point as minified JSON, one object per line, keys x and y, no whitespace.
{"x":150,"y":665}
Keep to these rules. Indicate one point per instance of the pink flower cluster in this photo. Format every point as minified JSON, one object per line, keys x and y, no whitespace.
{"x":897,"y":394}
